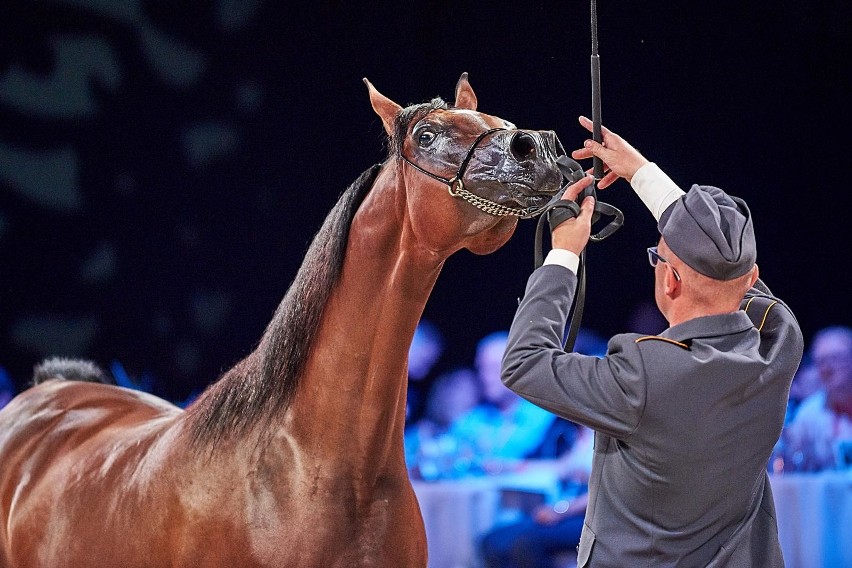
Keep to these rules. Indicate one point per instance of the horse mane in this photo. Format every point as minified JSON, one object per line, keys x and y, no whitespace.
{"x":263,"y":384}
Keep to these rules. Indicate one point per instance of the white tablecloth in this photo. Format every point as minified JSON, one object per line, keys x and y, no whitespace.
{"x":814,"y":512}
{"x":458,"y":513}
{"x":814,"y":516}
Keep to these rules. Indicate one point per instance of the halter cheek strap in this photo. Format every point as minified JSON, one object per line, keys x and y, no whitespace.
{"x":456,"y":179}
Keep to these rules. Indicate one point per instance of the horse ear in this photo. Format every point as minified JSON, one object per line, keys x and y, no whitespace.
{"x":465,"y":97}
{"x":384,"y":107}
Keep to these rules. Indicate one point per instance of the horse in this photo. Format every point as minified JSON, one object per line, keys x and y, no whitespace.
{"x":294,"y":456}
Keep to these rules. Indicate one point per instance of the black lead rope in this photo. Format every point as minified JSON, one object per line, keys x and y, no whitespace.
{"x":556,"y":213}
{"x":559,"y":211}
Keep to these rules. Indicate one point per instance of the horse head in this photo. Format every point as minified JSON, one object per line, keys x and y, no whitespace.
{"x":467,"y":170}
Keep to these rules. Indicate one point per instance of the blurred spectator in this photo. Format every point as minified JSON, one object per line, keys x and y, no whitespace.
{"x":426,"y":348}
{"x":560,"y":435}
{"x":551,"y":529}
{"x":432,"y":451}
{"x":7,"y":388}
{"x":806,"y":382}
{"x":503,"y":428}
{"x":589,"y":342}
{"x":145,"y":382}
{"x":820,"y":435}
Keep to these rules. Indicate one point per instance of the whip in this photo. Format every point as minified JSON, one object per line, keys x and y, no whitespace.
{"x":561,"y":211}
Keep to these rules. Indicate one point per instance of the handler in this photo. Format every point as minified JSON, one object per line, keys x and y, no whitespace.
{"x":685,"y":421}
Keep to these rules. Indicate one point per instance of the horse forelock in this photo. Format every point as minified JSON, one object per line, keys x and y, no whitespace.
{"x":408,"y":115}
{"x":263,"y":385}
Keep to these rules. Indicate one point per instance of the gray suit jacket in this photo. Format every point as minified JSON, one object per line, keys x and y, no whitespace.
{"x":685,"y":423}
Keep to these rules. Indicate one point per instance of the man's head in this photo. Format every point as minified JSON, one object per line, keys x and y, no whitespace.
{"x":426,"y":347}
{"x":708,"y":253}
{"x":711,"y":232}
{"x":489,"y":356}
{"x":452,"y":394}
{"x":831,"y":352}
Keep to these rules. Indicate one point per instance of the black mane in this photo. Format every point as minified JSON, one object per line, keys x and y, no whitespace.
{"x":263,"y":385}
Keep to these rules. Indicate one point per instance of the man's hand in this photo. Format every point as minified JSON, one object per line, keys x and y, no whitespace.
{"x":573,"y":234}
{"x":620,"y":158}
{"x":545,"y":515}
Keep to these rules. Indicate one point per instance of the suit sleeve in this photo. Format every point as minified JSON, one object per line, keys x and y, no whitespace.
{"x":607,"y":394}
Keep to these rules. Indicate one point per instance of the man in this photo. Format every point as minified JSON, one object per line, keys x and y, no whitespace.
{"x":504,"y":428}
{"x":685,"y":421}
{"x":7,"y":388}
{"x":821,"y":431}
{"x":542,"y":538}
{"x":426,"y":349}
{"x":535,"y":541}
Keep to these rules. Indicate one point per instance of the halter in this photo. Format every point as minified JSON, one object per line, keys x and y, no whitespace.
{"x":456,"y":187}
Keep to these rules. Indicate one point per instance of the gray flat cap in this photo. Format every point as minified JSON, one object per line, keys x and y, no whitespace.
{"x":711,"y":232}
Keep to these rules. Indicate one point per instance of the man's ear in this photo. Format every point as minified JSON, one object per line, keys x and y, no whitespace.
{"x":755,"y":274}
{"x":671,"y":285}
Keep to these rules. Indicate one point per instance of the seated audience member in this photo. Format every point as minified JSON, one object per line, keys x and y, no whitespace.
{"x":820,"y":434}
{"x":561,"y":434}
{"x":504,"y":428}
{"x":551,"y":529}
{"x":143,"y":382}
{"x":426,"y":349}
{"x":431,"y":450}
{"x":806,"y":382}
{"x":7,"y":388}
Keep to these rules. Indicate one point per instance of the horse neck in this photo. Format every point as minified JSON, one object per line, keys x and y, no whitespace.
{"x":355,"y":381}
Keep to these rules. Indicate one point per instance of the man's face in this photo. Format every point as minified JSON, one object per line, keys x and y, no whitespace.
{"x":660,"y":278}
{"x":488,"y":360}
{"x":832,"y":355}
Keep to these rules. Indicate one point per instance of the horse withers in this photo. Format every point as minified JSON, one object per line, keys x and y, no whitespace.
{"x":294,"y":457}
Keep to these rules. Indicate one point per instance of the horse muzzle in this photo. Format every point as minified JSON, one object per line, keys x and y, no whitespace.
{"x":533,"y":162}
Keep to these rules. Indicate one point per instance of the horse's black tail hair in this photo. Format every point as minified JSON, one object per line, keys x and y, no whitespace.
{"x":69,"y":370}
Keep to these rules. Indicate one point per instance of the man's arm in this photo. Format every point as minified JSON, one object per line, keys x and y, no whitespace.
{"x":606,"y":394}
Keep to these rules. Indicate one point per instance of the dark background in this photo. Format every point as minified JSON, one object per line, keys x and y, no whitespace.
{"x":164,"y":167}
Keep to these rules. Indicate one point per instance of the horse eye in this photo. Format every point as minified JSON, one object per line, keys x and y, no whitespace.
{"x":425,"y":138}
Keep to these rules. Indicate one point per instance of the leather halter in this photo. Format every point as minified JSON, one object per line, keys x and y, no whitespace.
{"x":456,"y":187}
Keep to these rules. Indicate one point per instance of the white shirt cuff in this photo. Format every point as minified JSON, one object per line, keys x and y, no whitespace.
{"x":563,"y":257}
{"x":656,"y":190}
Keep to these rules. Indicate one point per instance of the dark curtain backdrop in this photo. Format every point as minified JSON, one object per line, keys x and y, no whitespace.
{"x":164,"y":166}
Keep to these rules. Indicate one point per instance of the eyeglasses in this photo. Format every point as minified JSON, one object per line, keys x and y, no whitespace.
{"x":654,"y":257}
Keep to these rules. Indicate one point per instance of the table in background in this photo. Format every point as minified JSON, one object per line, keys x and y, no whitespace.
{"x":814,"y":513}
{"x":457,"y":513}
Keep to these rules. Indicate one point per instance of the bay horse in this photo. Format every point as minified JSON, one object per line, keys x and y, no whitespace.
{"x":294,"y":457}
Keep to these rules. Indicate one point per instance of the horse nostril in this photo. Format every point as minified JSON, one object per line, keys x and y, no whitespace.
{"x":523,"y":146}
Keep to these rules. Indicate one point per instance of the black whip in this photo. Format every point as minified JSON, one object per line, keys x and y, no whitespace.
{"x":561,"y":211}
{"x":596,"y":92}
